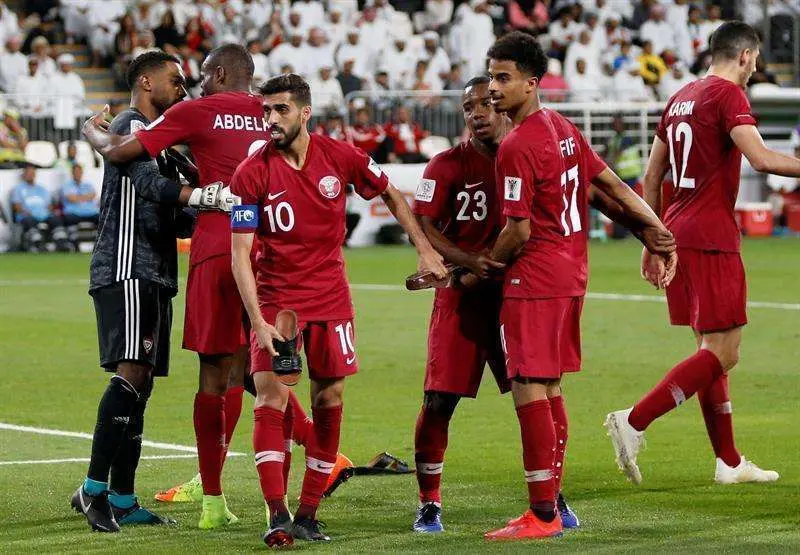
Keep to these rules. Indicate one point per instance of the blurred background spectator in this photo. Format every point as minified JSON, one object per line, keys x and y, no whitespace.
{"x":79,"y":199}
{"x":405,"y":135}
{"x":33,"y":211}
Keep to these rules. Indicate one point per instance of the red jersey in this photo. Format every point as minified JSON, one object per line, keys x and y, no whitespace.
{"x":458,"y":193}
{"x":220,"y":129}
{"x":546,"y":167}
{"x":367,"y":137}
{"x":299,"y":218}
{"x":706,"y":164}
{"x":406,"y":137}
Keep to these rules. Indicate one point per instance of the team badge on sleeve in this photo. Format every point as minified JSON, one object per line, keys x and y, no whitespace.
{"x":513,"y":186}
{"x":330,"y":186}
{"x":425,"y":190}
{"x":244,"y":217}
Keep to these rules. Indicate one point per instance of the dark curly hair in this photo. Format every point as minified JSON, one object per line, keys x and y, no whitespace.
{"x":147,"y":61}
{"x":522,"y":49}
{"x":291,"y":83}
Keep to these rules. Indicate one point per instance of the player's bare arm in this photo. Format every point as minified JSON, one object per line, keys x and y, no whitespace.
{"x":117,"y":149}
{"x":765,"y":160}
{"x":241,"y":246}
{"x":653,"y":268}
{"x":429,"y":259}
{"x":478,"y":263}
{"x":515,"y":234}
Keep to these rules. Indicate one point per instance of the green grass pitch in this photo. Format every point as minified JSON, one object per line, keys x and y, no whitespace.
{"x":50,"y":380}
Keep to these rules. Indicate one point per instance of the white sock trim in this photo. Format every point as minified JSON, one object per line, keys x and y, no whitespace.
{"x":270,"y":456}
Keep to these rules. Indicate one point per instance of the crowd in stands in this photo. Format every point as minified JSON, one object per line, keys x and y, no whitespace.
{"x":44,"y":218}
{"x":639,"y":50}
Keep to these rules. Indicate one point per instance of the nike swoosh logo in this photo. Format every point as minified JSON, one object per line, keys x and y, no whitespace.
{"x":471,"y":185}
{"x":351,"y":360}
{"x":84,"y":506}
{"x":276,"y":195}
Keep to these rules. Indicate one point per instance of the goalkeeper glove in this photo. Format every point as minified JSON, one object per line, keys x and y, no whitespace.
{"x":213,"y":197}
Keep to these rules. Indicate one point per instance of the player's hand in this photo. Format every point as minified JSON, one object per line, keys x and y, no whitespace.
{"x":671,"y":267}
{"x":265,"y":333}
{"x":227,"y":200}
{"x":213,"y":197}
{"x":99,"y":120}
{"x":467,"y":281}
{"x":484,"y":267}
{"x":658,"y":240}
{"x":431,"y":261}
{"x":654,"y":269}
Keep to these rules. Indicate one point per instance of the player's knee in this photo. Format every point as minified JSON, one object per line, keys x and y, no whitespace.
{"x":270,"y":392}
{"x":441,"y":404}
{"x":214,"y":373}
{"x":328,"y":393}
{"x":137,"y":375}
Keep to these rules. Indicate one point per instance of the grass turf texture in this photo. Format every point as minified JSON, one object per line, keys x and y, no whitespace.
{"x":51,"y":380}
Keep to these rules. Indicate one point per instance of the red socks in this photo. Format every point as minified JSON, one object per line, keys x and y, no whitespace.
{"x":538,"y":453}
{"x":303,"y":430}
{"x":687,"y":378}
{"x":561,"y":426}
{"x":430,"y":442}
{"x":288,"y":424}
{"x":209,"y":430}
{"x":268,"y":444}
{"x":233,"y":410}
{"x":320,"y":459}
{"x":716,"y":406}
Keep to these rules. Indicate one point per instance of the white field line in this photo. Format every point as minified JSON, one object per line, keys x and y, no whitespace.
{"x":86,"y":460}
{"x":389,"y":287}
{"x":84,"y":435}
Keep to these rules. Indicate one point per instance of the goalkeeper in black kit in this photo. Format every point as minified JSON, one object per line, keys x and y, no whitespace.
{"x":134,"y":270}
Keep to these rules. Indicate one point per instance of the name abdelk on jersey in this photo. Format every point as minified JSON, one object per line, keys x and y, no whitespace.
{"x":705,"y":163}
{"x":298,"y":217}
{"x":221,"y":130}
{"x":459,"y":193}
{"x":545,"y":167}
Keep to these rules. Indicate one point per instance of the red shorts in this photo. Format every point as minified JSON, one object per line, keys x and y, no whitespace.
{"x":214,"y":310}
{"x":541,"y":337}
{"x":709,"y":292}
{"x":462,"y":338}
{"x":329,"y":347}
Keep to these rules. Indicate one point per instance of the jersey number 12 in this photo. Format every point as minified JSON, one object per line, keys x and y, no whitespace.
{"x":683,"y":134}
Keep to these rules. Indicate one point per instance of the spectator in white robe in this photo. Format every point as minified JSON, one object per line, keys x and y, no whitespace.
{"x":71,"y":99}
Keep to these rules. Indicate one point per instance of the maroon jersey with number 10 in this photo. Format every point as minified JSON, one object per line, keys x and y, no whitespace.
{"x":221,"y":130}
{"x":300,"y":223}
{"x":545,"y":167}
{"x":706,"y":164}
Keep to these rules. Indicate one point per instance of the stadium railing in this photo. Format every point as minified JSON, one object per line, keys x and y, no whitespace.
{"x":439,"y":113}
{"x":48,"y":123}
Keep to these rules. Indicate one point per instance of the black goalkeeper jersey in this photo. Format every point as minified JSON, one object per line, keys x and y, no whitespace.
{"x":139,"y":217}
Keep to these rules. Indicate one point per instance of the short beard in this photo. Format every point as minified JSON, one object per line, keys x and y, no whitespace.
{"x":288,"y":138}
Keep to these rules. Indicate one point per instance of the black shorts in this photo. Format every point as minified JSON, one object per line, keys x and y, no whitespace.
{"x":134,"y":321}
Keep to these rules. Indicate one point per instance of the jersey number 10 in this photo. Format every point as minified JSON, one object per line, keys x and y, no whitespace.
{"x":683,"y":134}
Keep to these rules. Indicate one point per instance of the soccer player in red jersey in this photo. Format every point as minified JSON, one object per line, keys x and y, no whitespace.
{"x":221,"y":129}
{"x":705,"y":128}
{"x":545,"y":167}
{"x":458,"y":207}
{"x":293,"y":201}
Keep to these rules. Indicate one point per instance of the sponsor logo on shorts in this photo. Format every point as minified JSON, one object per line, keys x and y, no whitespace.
{"x":244,"y":216}
{"x":425,"y":190}
{"x":330,"y":186}
{"x":273,"y":196}
{"x":516,"y":281}
{"x":148,"y":345}
{"x":513,"y":186}
{"x":350,"y":360}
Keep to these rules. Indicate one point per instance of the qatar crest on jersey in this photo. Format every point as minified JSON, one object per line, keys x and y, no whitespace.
{"x":330,"y":186}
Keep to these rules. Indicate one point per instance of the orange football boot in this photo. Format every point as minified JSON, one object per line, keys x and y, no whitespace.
{"x":527,"y":527}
